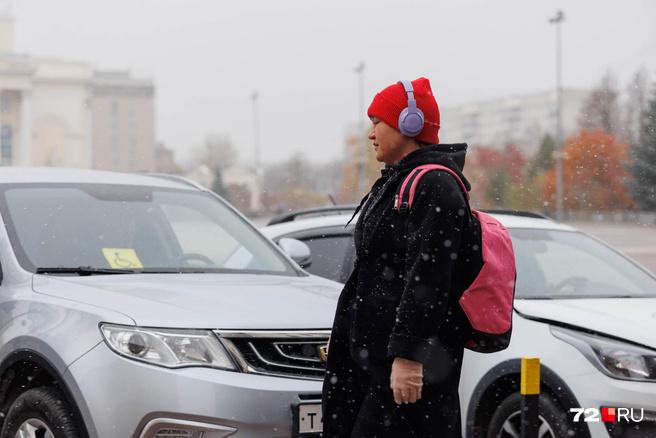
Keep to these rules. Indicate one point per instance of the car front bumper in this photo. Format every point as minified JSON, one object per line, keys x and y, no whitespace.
{"x":120,"y":397}
{"x":596,"y":390}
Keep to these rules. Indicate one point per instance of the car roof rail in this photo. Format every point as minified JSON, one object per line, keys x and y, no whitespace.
{"x":175,"y":178}
{"x":521,"y":213}
{"x":317,"y":211}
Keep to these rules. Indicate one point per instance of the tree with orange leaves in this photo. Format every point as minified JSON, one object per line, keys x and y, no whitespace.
{"x":496,"y":173}
{"x":594,"y":173}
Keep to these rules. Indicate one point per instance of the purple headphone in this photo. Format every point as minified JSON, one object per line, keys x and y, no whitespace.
{"x":411,"y":119}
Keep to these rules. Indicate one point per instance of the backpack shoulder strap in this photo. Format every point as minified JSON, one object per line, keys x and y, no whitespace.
{"x":403,"y":200}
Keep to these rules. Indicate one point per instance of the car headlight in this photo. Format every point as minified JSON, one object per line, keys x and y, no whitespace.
{"x":168,"y":348}
{"x":616,"y":359}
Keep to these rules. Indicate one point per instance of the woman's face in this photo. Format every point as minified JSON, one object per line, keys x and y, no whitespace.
{"x":389,"y":144}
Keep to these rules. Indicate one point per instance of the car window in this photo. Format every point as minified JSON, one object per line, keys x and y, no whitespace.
{"x":331,"y":256}
{"x":562,"y":264}
{"x":191,"y":227}
{"x":115,"y":226}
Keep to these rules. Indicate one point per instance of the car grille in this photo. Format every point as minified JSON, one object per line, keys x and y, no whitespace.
{"x":294,"y":354}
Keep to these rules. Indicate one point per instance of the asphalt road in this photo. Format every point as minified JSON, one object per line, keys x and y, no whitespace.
{"x":636,"y":241}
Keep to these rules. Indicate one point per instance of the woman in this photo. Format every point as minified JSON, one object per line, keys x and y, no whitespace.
{"x":397,"y":342}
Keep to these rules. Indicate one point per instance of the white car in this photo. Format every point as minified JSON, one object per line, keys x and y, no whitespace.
{"x":585,"y":310}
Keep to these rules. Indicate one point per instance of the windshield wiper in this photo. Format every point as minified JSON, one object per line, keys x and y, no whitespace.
{"x":89,"y":270}
{"x":85,"y":270}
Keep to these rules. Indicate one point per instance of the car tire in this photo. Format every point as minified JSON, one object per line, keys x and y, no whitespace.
{"x":506,"y":420}
{"x":39,"y":411}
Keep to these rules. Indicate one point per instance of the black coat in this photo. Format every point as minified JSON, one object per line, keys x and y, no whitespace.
{"x":402,"y":301}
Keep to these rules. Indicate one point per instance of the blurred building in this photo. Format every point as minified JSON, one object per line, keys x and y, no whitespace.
{"x":44,"y":112}
{"x":360,"y":168}
{"x":6,"y":30}
{"x":241,"y":184}
{"x":165,"y":160}
{"x":521,"y":120}
{"x":57,"y":112}
{"x":244,"y":188}
{"x":123,"y":113}
{"x":201,"y":174}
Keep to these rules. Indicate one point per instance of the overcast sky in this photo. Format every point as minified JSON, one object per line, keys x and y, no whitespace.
{"x":206,"y":57}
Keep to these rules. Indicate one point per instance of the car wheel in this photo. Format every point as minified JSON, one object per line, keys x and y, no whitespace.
{"x":40,"y":413}
{"x":506,"y":421}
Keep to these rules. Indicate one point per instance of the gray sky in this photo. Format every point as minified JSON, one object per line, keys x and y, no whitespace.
{"x":207,"y":56}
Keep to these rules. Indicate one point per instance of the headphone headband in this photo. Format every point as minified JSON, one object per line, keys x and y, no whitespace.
{"x":407,"y":85}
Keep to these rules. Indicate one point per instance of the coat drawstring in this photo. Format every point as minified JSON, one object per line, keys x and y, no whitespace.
{"x":358,"y":208}
{"x":385,"y":177}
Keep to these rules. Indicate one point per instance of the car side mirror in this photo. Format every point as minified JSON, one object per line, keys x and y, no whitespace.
{"x":297,"y":250}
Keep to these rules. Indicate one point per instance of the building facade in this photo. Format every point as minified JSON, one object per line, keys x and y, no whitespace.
{"x":522,"y":120}
{"x":15,"y":97}
{"x":61,"y":113}
{"x":44,"y":115}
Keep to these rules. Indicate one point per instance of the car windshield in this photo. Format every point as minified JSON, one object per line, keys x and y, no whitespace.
{"x":102,"y":227}
{"x":564,"y":264}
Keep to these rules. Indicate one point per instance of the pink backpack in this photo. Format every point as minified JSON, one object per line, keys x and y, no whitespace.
{"x":488,"y":301}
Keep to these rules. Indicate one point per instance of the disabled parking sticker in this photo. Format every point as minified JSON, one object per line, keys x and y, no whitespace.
{"x":122,"y":258}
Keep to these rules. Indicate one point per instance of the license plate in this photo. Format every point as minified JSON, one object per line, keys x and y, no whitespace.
{"x":309,"y":418}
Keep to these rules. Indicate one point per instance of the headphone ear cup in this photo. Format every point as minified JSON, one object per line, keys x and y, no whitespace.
{"x":411,"y":122}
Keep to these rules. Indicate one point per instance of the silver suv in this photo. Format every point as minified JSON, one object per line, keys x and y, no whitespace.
{"x":145,"y":306}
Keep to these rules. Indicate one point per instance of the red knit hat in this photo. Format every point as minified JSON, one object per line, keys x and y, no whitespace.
{"x":388,"y":104}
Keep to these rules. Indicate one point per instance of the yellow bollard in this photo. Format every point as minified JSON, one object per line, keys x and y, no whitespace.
{"x":530,"y":391}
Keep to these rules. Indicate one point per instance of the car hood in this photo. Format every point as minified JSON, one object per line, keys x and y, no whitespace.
{"x":633,"y":319}
{"x":209,"y":301}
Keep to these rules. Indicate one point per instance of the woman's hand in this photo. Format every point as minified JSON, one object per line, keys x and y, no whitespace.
{"x":406,"y":380}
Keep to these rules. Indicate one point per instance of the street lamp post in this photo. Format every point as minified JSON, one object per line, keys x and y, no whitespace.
{"x":361,"y":155}
{"x":256,"y":135}
{"x":557,"y":21}
{"x":256,"y":200}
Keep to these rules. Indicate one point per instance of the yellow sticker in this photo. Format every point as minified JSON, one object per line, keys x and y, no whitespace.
{"x":122,"y":258}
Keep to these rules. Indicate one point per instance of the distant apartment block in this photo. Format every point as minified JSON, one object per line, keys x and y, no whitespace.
{"x":522,"y":120}
{"x":123,"y":122}
{"x":57,"y":112}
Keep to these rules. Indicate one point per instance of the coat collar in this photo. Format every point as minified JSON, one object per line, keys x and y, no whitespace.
{"x":449,"y":155}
